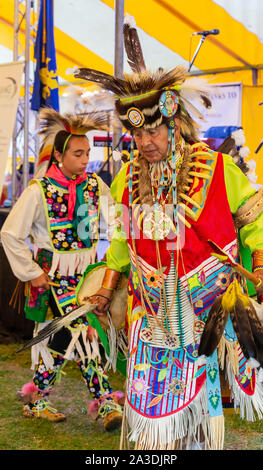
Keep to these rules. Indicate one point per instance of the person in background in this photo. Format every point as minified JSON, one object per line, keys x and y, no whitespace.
{"x":59,"y":213}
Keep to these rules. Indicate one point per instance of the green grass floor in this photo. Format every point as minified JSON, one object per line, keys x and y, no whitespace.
{"x":79,"y":431}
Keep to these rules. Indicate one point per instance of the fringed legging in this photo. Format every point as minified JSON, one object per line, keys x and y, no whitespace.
{"x":92,"y":370}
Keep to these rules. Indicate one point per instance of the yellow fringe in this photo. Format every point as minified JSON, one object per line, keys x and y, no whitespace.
{"x":135,"y":172}
{"x":139,"y":220}
{"x":136,"y":200}
{"x":199,"y":144}
{"x":217,"y":432}
{"x":136,"y":210}
{"x":188,"y":211}
{"x":199,"y":175}
{"x":201,"y":165}
{"x":204,"y":154}
{"x":228,"y":351}
{"x":185,"y":222}
{"x":190,"y":200}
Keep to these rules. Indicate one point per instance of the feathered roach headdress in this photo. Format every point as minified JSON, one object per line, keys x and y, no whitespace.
{"x":51,"y":122}
{"x":148,"y":99}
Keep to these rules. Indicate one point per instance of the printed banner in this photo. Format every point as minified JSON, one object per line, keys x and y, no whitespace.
{"x":226,"y":106}
{"x":10,"y":83}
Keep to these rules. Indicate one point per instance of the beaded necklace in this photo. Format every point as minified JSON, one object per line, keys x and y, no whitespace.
{"x":176,"y":159}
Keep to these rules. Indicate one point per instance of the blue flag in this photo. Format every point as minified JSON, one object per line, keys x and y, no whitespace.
{"x":45,"y":90}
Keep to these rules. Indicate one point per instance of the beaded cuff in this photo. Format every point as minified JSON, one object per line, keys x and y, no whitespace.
{"x":250,"y":211}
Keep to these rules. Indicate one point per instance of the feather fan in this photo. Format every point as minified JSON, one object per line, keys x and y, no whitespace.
{"x":57,"y":324}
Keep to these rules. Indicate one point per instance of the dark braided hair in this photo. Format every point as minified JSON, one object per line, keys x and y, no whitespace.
{"x":59,"y":143}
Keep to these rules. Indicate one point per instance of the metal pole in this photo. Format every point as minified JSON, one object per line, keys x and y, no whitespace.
{"x":14,"y":146}
{"x":26,"y":102}
{"x":255,"y":76}
{"x":196,"y":52}
{"x":118,"y":69}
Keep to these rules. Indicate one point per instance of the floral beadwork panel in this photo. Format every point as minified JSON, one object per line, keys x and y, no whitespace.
{"x":64,"y":235}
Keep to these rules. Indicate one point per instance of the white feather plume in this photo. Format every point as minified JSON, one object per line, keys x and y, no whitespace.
{"x":193,"y":88}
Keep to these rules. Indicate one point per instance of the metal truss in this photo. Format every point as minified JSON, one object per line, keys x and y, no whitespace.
{"x":24,"y":142}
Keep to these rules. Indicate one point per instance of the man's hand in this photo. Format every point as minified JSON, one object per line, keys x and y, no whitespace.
{"x":102,"y":299}
{"x":41,"y":282}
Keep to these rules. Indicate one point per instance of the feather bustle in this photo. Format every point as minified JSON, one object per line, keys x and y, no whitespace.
{"x":57,"y":324}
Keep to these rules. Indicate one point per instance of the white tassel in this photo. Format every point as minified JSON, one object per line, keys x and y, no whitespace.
{"x":70,"y":71}
{"x":252,"y":165}
{"x":244,"y":151}
{"x":239,"y":137}
{"x":112,"y":338}
{"x":41,"y":349}
{"x":64,"y":264}
{"x":80,"y":351}
{"x":130,"y":20}
{"x":35,"y":250}
{"x":70,"y":263}
{"x":55,"y":264}
{"x":122,"y":341}
{"x":95,"y":348}
{"x":116,"y":155}
{"x":72,"y":344}
{"x":253,"y":363}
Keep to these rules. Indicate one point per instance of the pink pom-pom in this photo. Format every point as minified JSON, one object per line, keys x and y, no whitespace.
{"x":118,"y":394}
{"x":29,"y":388}
{"x":93,"y":409}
